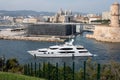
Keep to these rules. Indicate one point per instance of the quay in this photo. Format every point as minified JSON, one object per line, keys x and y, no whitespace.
{"x":46,"y":39}
{"x":50,"y":32}
{"x":19,"y":34}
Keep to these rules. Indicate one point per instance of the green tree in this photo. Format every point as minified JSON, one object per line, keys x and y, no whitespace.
{"x":12,"y":65}
{"x":2,"y":63}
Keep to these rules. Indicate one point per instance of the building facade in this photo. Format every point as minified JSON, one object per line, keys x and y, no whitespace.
{"x":106,"y":15}
{"x":30,"y":20}
{"x":52,"y":29}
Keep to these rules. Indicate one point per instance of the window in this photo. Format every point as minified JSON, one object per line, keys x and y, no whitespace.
{"x":70,"y":52}
{"x":62,"y":52}
{"x":79,"y":48}
{"x":67,"y":52}
{"x":41,"y":51}
{"x":83,"y":51}
{"x":53,"y":48}
{"x":66,"y":49}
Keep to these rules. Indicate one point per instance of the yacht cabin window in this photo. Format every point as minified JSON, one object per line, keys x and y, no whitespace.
{"x":53,"y":48}
{"x":67,"y":52}
{"x":79,"y":48}
{"x":66,"y":49}
{"x":83,"y":51}
{"x":41,"y":51}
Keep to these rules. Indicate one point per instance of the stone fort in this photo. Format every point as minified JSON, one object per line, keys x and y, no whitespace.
{"x":111,"y":32}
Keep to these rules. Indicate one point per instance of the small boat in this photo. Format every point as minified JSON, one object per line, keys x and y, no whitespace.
{"x":64,"y":50}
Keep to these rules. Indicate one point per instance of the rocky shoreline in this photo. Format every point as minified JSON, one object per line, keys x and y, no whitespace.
{"x":104,"y":39}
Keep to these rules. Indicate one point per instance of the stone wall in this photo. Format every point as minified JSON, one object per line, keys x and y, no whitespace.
{"x":106,"y":33}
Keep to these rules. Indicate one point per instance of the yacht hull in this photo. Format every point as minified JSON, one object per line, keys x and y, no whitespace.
{"x":65,"y":50}
{"x":55,"y":55}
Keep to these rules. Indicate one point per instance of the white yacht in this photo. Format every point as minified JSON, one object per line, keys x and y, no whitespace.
{"x":65,"y":50}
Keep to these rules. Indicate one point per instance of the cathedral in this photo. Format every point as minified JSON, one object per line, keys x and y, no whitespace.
{"x":62,"y":17}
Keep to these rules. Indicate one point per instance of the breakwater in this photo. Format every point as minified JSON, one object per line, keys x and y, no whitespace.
{"x":47,"y":39}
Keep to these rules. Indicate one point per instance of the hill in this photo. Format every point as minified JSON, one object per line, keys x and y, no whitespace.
{"x":24,"y":13}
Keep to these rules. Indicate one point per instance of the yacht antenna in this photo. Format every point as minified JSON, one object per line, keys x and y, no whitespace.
{"x":72,"y":30}
{"x":56,"y":42}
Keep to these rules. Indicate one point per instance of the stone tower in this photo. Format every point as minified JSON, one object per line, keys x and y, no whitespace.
{"x":115,"y":15}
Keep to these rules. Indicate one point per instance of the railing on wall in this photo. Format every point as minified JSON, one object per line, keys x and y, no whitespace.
{"x":64,"y":72}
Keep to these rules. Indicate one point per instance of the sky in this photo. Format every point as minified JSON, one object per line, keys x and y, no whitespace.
{"x":85,"y":6}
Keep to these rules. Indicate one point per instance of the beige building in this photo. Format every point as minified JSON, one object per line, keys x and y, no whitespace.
{"x":81,"y":19}
{"x":30,"y":20}
{"x":19,"y":20}
{"x":94,"y":18}
{"x":106,"y":15}
{"x":62,"y":17}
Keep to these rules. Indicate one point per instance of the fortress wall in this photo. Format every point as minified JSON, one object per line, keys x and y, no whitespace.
{"x":109,"y":33}
{"x":105,"y":33}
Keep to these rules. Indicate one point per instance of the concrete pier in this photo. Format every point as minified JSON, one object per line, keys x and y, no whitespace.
{"x":32,"y":38}
{"x":18,"y":34}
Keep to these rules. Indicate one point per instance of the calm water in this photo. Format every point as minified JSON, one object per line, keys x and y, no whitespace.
{"x":18,"y":49}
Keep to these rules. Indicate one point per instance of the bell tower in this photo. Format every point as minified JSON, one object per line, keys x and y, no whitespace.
{"x":115,"y":15}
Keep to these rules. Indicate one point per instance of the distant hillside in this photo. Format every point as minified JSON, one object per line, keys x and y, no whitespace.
{"x":24,"y":13}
